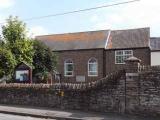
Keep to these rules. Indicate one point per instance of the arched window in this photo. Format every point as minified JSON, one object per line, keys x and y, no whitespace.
{"x":92,"y":67}
{"x":68,"y":67}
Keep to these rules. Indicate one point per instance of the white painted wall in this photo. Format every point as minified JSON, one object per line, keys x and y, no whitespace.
{"x":155,"y":58}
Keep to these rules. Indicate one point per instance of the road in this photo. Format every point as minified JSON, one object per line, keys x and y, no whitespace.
{"x":16,"y":117}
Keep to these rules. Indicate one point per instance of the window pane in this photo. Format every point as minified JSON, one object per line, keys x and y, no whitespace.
{"x":69,"y":73}
{"x":122,"y":55}
{"x":92,"y":73}
{"x":69,"y":67}
{"x":128,"y":52}
{"x":119,"y":59}
{"x":92,"y":67}
{"x":68,"y":70}
{"x":125,"y":57}
{"x":92,"y":60}
{"x":119,"y":52}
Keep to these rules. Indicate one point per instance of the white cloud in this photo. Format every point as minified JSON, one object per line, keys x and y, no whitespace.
{"x":6,"y":3}
{"x":37,"y":30}
{"x":144,"y":13}
{"x":103,"y":25}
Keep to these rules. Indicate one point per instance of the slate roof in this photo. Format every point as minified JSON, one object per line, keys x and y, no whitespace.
{"x":155,"y":43}
{"x":73,"y":41}
{"x":107,"y":39}
{"x":130,"y":38}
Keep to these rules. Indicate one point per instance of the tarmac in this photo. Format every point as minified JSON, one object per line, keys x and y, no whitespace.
{"x":47,"y":113}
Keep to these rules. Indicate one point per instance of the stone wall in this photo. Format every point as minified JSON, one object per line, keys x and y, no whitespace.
{"x":135,"y":93}
{"x":148,"y":95}
{"x":142,"y":86}
{"x":106,"y":95}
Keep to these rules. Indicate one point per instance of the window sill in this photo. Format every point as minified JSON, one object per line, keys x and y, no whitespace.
{"x":92,"y":75}
{"x":68,"y":75}
{"x":119,"y":63}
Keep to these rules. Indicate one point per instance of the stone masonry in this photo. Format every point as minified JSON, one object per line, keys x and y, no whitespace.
{"x":131,"y":91}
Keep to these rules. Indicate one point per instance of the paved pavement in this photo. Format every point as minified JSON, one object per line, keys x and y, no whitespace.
{"x":65,"y":115}
{"x":16,"y":117}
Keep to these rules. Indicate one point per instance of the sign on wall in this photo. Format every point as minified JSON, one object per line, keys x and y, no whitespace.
{"x":80,"y":78}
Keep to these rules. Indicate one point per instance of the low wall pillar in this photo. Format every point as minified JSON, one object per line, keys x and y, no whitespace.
{"x":132,"y":84}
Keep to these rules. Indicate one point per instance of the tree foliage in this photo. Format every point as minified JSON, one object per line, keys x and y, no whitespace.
{"x":14,"y":30}
{"x":22,"y":50}
{"x":14,"y":34}
{"x":19,"y":48}
{"x":44,"y":60}
{"x":7,"y":62}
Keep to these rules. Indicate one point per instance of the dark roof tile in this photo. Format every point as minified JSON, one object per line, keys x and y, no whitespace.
{"x":73,"y":41}
{"x":131,"y":38}
{"x":118,"y":39}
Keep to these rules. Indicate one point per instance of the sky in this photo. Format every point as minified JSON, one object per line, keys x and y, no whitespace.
{"x":143,"y":13}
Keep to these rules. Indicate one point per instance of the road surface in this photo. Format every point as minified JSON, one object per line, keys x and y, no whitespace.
{"x":16,"y":117}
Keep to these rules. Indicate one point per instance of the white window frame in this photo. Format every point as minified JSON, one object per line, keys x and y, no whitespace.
{"x":96,"y":67}
{"x":65,"y":68}
{"x":123,"y":55}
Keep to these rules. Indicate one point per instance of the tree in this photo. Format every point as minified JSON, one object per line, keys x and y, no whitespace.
{"x":1,"y":41}
{"x":44,"y":60}
{"x":22,"y":50}
{"x":15,"y":36}
{"x":7,"y":62}
{"x":14,"y":30}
